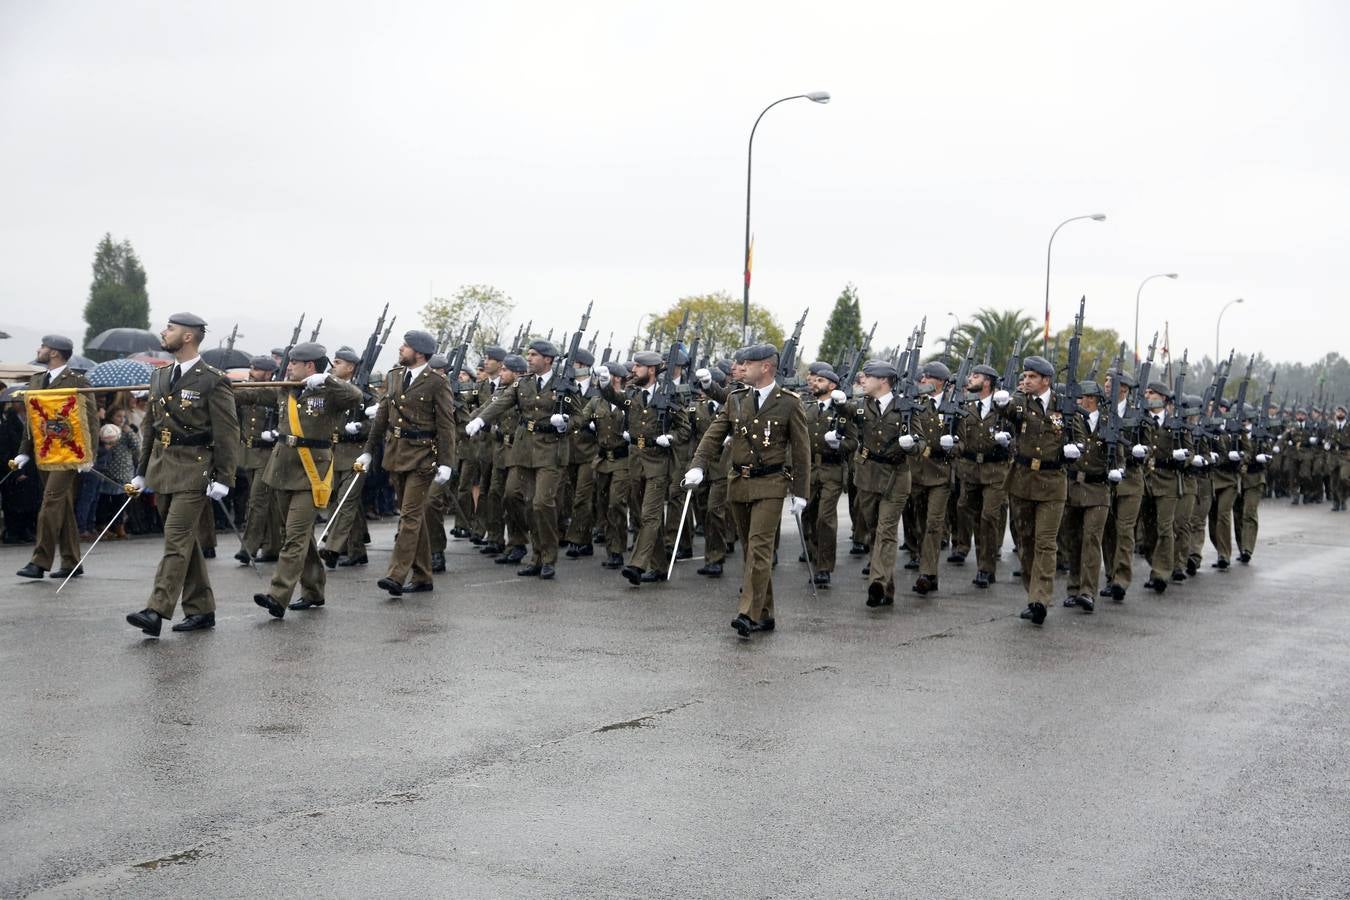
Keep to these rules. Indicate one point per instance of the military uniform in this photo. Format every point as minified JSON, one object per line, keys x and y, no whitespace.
{"x":582,"y":456}
{"x":1087,"y":504}
{"x":1246,"y":513}
{"x":982,"y":471}
{"x":262,"y":519}
{"x":829,"y":475}
{"x":1169,"y":456}
{"x":347,"y":532}
{"x":710,"y":497}
{"x":931,"y":489}
{"x":1127,"y":497}
{"x":605,"y":420}
{"x":1226,"y":476}
{"x":1337,"y":445}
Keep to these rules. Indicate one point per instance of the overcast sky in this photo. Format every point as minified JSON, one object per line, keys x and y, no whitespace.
{"x":270,"y":157}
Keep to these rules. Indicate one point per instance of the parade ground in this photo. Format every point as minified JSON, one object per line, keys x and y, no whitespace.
{"x":507,"y":737}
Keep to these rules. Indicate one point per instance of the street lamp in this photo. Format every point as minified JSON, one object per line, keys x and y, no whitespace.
{"x":1219,"y":325}
{"x":814,"y":97}
{"x":1096,"y":217}
{"x":1171,"y":275}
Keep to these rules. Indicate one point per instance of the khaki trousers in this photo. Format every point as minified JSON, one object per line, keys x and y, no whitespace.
{"x":182,"y":569}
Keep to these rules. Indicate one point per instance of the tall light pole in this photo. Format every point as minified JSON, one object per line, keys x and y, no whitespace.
{"x":1219,"y":325}
{"x":814,"y":97}
{"x":1173,"y":276}
{"x":1045,"y":337}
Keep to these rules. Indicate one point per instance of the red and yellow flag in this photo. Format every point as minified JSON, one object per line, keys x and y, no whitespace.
{"x":61,"y":436}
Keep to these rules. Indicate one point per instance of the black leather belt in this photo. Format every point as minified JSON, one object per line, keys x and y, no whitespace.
{"x":1037,"y":465}
{"x":291,"y":440}
{"x":345,"y":438}
{"x":990,"y":457}
{"x":878,"y":457}
{"x":620,"y":452}
{"x":833,"y":458}
{"x":411,"y":434}
{"x":541,"y":427}
{"x":257,"y":444}
{"x":168,"y":438}
{"x":1090,"y":477}
{"x":757,"y":471}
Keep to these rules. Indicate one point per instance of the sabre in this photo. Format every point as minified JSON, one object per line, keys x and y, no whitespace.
{"x":229,"y":518}
{"x":96,"y":540}
{"x":679,"y":533}
{"x":810,"y":567}
{"x":333,"y":517}
{"x":8,"y":476}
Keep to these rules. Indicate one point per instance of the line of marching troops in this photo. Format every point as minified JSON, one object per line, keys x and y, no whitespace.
{"x":533,"y":465}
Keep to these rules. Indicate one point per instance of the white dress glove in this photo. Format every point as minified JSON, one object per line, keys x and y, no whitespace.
{"x":316,"y":380}
{"x":1199,"y":462}
{"x":19,"y":461}
{"x":704,"y":377}
{"x":362,"y":463}
{"x":475,"y":425}
{"x":906,"y":442}
{"x":1001,"y":397}
{"x":1139,"y":451}
{"x":443,"y":474}
{"x":136,"y":486}
{"x":352,"y":427}
{"x":558,"y":421}
{"x":1180,"y":454}
{"x":838,"y":396}
{"x":1263,"y":458}
{"x":217,"y":491}
{"x":796,"y":504}
{"x":1002,"y":438}
{"x":832,"y":438}
{"x":1313,"y":440}
{"x":663,"y":440}
{"x":268,"y":436}
{"x":371,"y":410}
{"x":693,"y":478}
{"x":947,"y":442}
{"x":627,"y":438}
{"x":1277,"y":448}
{"x":1115,"y":476}
{"x":1213,"y":457}
{"x":591,"y":426}
{"x":1234,"y":456}
{"x":1072,"y":451}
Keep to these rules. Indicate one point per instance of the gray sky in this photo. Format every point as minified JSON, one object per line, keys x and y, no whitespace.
{"x":265,"y":158}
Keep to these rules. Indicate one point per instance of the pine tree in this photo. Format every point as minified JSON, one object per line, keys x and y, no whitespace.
{"x":117,"y":295}
{"x":844,"y":328}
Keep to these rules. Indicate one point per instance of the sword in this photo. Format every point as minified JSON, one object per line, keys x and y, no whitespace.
{"x":8,"y":477}
{"x":229,"y":518}
{"x":333,"y":517}
{"x":96,"y":540}
{"x":679,"y":533}
{"x":810,"y":568}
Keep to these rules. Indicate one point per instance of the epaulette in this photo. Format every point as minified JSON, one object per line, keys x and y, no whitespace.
{"x":744,"y":387}
{"x":210,"y":368}
{"x":791,"y":393}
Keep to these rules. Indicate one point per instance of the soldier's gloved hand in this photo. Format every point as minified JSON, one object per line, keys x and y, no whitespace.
{"x":1002,"y":438}
{"x":362,"y":463}
{"x":475,"y":425}
{"x":726,"y":441}
{"x":1199,"y":462}
{"x":352,"y":427}
{"x":1213,"y":457}
{"x":372,"y":410}
{"x":1263,"y":458}
{"x":591,"y":426}
{"x":1072,"y":451}
{"x":1180,"y":454}
{"x":1234,"y":456}
{"x":443,"y":474}
{"x":217,"y":491}
{"x":136,"y":486}
{"x":1115,"y":476}
{"x":796,"y":505}
{"x":947,"y":442}
{"x":663,"y":440}
{"x":838,"y":396}
{"x":268,"y":436}
{"x":832,"y":438}
{"x":316,"y":380}
{"x":1277,"y":448}
{"x":19,"y":461}
{"x":1001,"y":397}
{"x":558,"y":421}
{"x":1139,"y":451}
{"x":906,"y":442}
{"x":627,"y":438}
{"x":1313,"y":439}
{"x":693,"y":478}
{"x":603,"y":376}
{"x":704,"y":377}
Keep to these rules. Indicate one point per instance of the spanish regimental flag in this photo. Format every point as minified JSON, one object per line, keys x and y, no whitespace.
{"x":61,"y":435}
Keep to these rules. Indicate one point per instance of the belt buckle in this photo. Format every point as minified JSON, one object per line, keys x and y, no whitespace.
{"x":641,"y":443}
{"x":744,"y":470}
{"x":398,"y":432}
{"x":979,"y":458}
{"x":1035,"y":465}
{"x":290,"y":440}
{"x":165,"y":437}
{"x":529,"y":426}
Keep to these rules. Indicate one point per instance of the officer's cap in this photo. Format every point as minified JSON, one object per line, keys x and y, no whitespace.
{"x":617,"y":369}
{"x":308,"y":352}
{"x":828,"y":374}
{"x":420,"y":341}
{"x":680,"y":358}
{"x":1159,"y":387}
{"x":263,"y":363}
{"x":760,"y":352}
{"x":347,"y":354}
{"x":1340,"y":407}
{"x":584,"y":356}
{"x":515,"y":362}
{"x":647,"y":358}
{"x":1090,"y":389}
{"x":987,"y":371}
{"x":494,"y":352}
{"x":59,"y":343}
{"x":544,"y":348}
{"x":936,"y":370}
{"x":880,"y":368}
{"x":439,"y":361}
{"x":188,"y":320}
{"x":1038,"y":364}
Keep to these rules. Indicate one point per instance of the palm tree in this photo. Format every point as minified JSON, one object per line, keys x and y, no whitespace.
{"x":998,"y":332}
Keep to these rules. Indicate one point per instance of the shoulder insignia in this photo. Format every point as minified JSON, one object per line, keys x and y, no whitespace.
{"x":790,"y":393}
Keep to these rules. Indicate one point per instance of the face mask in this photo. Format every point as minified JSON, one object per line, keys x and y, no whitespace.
{"x":972,"y":395}
{"x":1155,"y":403}
{"x":583,"y":371}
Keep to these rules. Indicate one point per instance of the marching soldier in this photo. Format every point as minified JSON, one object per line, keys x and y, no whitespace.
{"x":1300,"y":441}
{"x":1338,"y":460}
{"x":1235,"y":452}
{"x":605,"y":420}
{"x":542,"y":451}
{"x":982,"y":470}
{"x":57,"y":530}
{"x":347,"y":531}
{"x":507,"y":522}
{"x":1088,"y":500}
{"x":488,"y":513}
{"x":833,"y":440}
{"x":468,"y":476}
{"x":262,"y":520}
{"x":581,"y":464}
{"x":300,"y":473}
{"x":770,"y":458}
{"x":189,"y":453}
{"x":1168,"y":458}
{"x":710,"y":497}
{"x":932,"y":475}
{"x":1127,"y":497}
{"x":1037,"y":487}
{"x":415,"y":424}
{"x":1247,"y":514}
{"x":1192,"y":490}
{"x":441,"y":495}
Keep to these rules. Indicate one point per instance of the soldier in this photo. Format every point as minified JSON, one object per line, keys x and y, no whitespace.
{"x":1169,"y":456}
{"x":468,"y":477}
{"x":931,"y":481}
{"x":1337,"y":444}
{"x":1300,"y":441}
{"x":542,"y":451}
{"x":1127,"y":496}
{"x":581,"y":464}
{"x":301,"y":473}
{"x":710,"y":497}
{"x":488,"y":512}
{"x":653,"y":432}
{"x":982,"y":470}
{"x":57,"y":530}
{"x":347,"y":533}
{"x":1037,"y":487}
{"x":441,"y":495}
{"x":1235,"y":451}
{"x":507,"y":523}
{"x":189,"y":452}
{"x":1193,"y":491}
{"x":770,"y":458}
{"x":262,"y":520}
{"x":1088,"y":500}
{"x":681,"y":452}
{"x":605,"y":421}
{"x":833,"y":440}
{"x":415,"y":424}
{"x":1246,"y":514}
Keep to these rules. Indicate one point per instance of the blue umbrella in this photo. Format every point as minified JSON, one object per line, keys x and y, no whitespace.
{"x":119,"y":373}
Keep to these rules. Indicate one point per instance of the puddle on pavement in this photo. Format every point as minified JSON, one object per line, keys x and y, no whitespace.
{"x":173,"y":859}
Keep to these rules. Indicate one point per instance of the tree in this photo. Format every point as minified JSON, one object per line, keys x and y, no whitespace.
{"x":1100,"y":345}
{"x":117,"y":295}
{"x":449,"y":315}
{"x":999,"y":332}
{"x":843,"y":330}
{"x":720,"y":316}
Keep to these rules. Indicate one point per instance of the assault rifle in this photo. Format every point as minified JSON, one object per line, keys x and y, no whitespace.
{"x":1068,"y":401}
{"x":564,"y":368}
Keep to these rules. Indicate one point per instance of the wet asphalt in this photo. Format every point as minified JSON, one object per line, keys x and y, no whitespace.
{"x":505,"y":737}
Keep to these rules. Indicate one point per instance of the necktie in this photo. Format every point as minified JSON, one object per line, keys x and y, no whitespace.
{"x":756,"y":395}
{"x":176,"y":374}
{"x":407,"y":378}
{"x":647,"y":396}
{"x":539,"y":383}
{"x":47,"y":380}
{"x":822,"y":408}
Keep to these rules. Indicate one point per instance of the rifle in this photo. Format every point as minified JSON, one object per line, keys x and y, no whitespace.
{"x":787,"y":360}
{"x":314,"y":335}
{"x":1177,"y":422}
{"x":1093,"y":372}
{"x":1013,"y":367}
{"x":515,"y":341}
{"x":847,"y":377}
{"x":590,"y":348}
{"x":280,"y":374}
{"x":229,"y":343}
{"x":460,"y":354}
{"x":1113,"y":424}
{"x":609,"y":349}
{"x":907,"y":402}
{"x":951,"y":407}
{"x":1235,"y":411}
{"x":687,"y":385}
{"x":1261,"y":424}
{"x":1213,"y":396}
{"x":663,"y":398}
{"x":1134,"y":413}
{"x":361,"y":377}
{"x":1068,"y":401}
{"x":564,"y":370}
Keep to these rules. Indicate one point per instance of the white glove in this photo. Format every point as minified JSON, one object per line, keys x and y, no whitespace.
{"x":352,"y":427}
{"x":372,"y":410}
{"x":1002,"y":438}
{"x":19,"y":461}
{"x":475,"y":425}
{"x":796,"y":504}
{"x":1199,"y":462}
{"x":906,"y":442}
{"x":704,"y":377}
{"x":627,"y":438}
{"x":137,"y":485}
{"x":591,"y":425}
{"x":602,"y":375}
{"x":1277,"y":448}
{"x":1139,"y":451}
{"x":1213,"y":457}
{"x":1001,"y":397}
{"x":1072,"y":451}
{"x":558,"y":421}
{"x":1234,"y":456}
{"x":947,"y":442}
{"x":832,"y":438}
{"x":316,"y":380}
{"x":1313,"y":439}
{"x":1115,"y":476}
{"x":838,"y":396}
{"x":1180,"y":454}
{"x":693,"y":478}
{"x":726,"y":441}
{"x":268,"y":436}
{"x":663,"y":440}
{"x":443,"y":474}
{"x":217,"y":491}
{"x":1263,"y":458}
{"x":362,"y":463}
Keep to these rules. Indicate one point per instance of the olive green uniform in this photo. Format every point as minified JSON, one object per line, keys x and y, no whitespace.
{"x":883,"y":475}
{"x":829,"y":475}
{"x":983,"y":470}
{"x":931,"y":485}
{"x":610,"y":469}
{"x":1086,"y":507}
{"x":347,"y":530}
{"x":57,"y":530}
{"x":262,"y":519}
{"x":1164,"y":483}
{"x":1037,"y":487}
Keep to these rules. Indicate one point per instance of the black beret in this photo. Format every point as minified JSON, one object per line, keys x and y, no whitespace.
{"x":819,"y":366}
{"x":420,"y":341}
{"x":647,"y":358}
{"x":987,"y":371}
{"x":1124,"y":378}
{"x":308,"y":352}
{"x":724,"y":365}
{"x":190,"y":320}
{"x":544,"y":348}
{"x":264,"y":363}
{"x":515,"y":362}
{"x":278,"y":351}
{"x":760,"y":352}
{"x":347,"y":354}
{"x":1038,"y":364}
{"x":718,"y":375}
{"x":494,"y":352}
{"x":617,"y":369}
{"x":1158,"y":387}
{"x":739,"y":355}
{"x":1090,"y":389}
{"x":828,"y":374}
{"x":880,"y":368}
{"x":584,"y":356}
{"x":439,"y":362}
{"x":59,"y":342}
{"x":936,"y":370}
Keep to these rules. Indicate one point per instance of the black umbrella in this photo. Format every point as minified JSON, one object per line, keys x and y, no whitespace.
{"x":226,"y":358}
{"x":124,"y":340}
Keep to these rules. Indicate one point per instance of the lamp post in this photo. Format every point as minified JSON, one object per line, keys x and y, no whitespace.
{"x":1219,"y":325}
{"x":814,"y":97}
{"x":1045,"y":338}
{"x":1171,"y":275}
